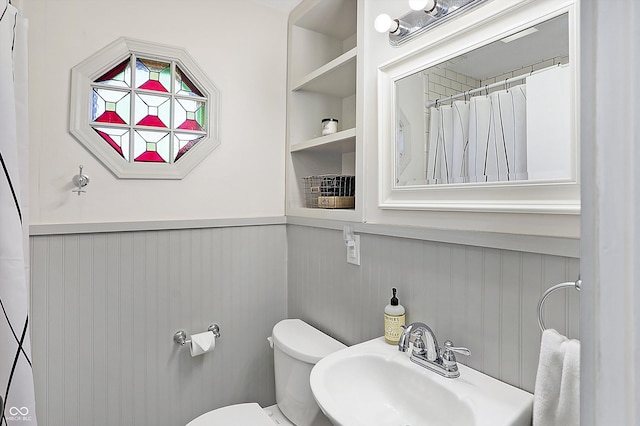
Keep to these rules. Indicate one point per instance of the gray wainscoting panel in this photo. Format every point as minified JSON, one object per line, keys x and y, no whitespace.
{"x":481,"y":298}
{"x":106,"y":305}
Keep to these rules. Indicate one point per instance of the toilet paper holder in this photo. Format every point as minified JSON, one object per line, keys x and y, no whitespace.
{"x":181,"y":337}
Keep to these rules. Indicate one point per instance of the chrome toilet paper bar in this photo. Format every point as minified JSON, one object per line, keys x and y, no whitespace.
{"x":181,"y":337}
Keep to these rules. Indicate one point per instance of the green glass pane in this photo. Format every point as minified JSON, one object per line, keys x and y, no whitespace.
{"x":201,"y":116}
{"x":184,"y":85}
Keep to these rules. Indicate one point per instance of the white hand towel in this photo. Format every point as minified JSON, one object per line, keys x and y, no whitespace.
{"x":557,"y":391}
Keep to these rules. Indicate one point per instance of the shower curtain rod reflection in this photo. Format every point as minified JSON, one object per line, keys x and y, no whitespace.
{"x":487,"y":87}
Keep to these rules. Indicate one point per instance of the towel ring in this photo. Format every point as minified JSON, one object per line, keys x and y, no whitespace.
{"x":577,"y":284}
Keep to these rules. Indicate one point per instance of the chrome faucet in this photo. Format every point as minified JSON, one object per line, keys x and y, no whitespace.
{"x":429,"y":354}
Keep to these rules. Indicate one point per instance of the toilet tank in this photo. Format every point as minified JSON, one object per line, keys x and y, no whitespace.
{"x":297,"y":347}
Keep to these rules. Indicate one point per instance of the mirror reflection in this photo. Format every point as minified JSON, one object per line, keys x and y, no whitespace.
{"x":499,"y":113}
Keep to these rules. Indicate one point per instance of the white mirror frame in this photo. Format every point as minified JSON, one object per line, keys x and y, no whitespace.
{"x":489,"y":24}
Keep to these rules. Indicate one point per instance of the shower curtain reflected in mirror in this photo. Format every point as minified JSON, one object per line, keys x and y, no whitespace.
{"x":16,"y":377}
{"x":483,"y":139}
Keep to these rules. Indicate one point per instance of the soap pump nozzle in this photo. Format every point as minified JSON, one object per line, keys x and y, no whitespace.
{"x":394,"y":299}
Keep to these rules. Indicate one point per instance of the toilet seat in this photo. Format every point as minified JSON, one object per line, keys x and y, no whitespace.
{"x":239,"y":414}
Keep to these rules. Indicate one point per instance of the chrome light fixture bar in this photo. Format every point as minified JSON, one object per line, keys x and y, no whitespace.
{"x":426,"y":14}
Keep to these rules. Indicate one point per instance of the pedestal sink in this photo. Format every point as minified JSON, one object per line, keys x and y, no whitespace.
{"x":373,"y":383}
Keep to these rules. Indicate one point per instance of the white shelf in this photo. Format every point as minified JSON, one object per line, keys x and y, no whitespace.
{"x":335,"y":18}
{"x":347,"y":215}
{"x":340,"y":142}
{"x":337,"y":78}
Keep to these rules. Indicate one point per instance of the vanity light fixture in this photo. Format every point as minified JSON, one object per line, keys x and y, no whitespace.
{"x":425,"y":14}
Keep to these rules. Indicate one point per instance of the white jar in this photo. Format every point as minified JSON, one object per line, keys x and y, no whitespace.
{"x":329,"y":126}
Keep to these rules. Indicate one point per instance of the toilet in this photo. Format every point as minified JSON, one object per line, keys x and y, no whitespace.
{"x":297,"y":347}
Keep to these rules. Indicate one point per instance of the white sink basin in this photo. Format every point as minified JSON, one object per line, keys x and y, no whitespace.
{"x":373,"y":383}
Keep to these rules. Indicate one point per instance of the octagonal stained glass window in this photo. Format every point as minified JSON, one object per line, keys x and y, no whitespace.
{"x":145,"y":110}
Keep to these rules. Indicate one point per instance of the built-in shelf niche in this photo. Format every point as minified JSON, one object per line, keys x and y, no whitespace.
{"x":322,"y":84}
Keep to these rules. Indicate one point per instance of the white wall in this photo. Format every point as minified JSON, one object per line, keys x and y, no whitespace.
{"x":611,"y":199}
{"x":243,"y":177}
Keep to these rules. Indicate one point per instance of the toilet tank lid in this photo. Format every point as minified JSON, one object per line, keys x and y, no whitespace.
{"x":301,"y":341}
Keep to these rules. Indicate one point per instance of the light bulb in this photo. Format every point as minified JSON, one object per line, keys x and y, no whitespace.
{"x":417,"y":4}
{"x":426,"y":5}
{"x":384,"y":23}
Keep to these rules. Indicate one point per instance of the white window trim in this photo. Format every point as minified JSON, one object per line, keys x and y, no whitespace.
{"x":82,"y":76}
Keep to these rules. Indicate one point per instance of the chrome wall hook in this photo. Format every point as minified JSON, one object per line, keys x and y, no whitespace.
{"x":80,"y":181}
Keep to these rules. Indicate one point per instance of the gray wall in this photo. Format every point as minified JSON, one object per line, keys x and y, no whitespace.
{"x":481,"y":298}
{"x":105,"y":307}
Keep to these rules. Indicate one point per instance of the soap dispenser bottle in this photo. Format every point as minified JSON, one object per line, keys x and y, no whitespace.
{"x":393,"y":320}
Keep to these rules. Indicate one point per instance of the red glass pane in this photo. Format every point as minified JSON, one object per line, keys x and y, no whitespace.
{"x":153,"y":85}
{"x":150,"y":157}
{"x":110,"y":141}
{"x":190,"y":125}
{"x":110,"y":117}
{"x":151,"y":120}
{"x":187,"y":147}
{"x":109,"y":75}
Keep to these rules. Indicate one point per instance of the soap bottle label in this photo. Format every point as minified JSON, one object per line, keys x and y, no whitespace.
{"x":393,"y":328}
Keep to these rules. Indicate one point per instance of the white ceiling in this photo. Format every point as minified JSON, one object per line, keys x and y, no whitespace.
{"x":282,"y":5}
{"x":551,"y":41}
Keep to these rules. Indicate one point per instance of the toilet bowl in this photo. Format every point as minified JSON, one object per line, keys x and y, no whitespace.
{"x":250,"y":414}
{"x":297,"y":347}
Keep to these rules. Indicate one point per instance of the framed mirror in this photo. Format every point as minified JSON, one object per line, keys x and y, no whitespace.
{"x":486,"y":125}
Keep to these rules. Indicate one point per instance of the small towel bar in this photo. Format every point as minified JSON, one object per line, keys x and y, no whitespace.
{"x":577,"y":284}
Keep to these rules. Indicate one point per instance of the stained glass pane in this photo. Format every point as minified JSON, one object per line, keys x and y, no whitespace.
{"x":133,"y":111}
{"x":154,"y":111}
{"x":110,"y":106}
{"x":189,"y":114}
{"x":153,"y":75}
{"x":151,"y":147}
{"x":119,"y":76}
{"x":117,"y":138}
{"x":183,"y":142}
{"x":184,"y":86}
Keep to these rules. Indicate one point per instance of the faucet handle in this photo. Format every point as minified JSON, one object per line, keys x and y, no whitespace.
{"x":419,"y":348}
{"x":448,"y":346}
{"x":449,"y":361}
